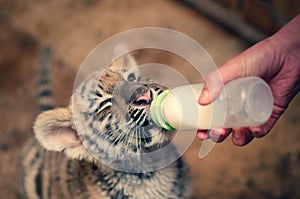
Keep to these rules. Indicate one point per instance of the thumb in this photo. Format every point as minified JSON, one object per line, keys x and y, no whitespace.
{"x":251,"y":62}
{"x":215,"y":81}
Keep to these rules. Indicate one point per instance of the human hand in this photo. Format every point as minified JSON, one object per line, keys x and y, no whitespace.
{"x":277,"y":61}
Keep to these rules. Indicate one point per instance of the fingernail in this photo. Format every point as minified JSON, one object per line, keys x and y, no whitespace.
{"x":237,"y":134}
{"x":204,"y":97}
{"x":202,"y":135}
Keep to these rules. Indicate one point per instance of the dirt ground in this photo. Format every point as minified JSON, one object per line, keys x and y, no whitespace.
{"x":266,"y":168}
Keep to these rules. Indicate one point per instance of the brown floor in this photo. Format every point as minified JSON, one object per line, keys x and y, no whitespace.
{"x":266,"y":168}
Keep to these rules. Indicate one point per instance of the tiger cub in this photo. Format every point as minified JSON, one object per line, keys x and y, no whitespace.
{"x":100,"y":146}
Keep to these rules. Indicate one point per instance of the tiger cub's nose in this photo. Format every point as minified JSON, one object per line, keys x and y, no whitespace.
{"x":145,"y":98}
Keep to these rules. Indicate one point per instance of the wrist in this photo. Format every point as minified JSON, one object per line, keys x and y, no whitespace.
{"x":287,"y":39}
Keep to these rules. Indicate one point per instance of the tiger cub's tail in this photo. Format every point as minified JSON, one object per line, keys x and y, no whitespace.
{"x":44,"y":89}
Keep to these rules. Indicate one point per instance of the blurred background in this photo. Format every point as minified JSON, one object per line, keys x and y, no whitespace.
{"x":266,"y":168}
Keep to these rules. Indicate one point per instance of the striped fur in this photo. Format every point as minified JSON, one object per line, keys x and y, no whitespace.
{"x":44,"y":98}
{"x":75,"y":150}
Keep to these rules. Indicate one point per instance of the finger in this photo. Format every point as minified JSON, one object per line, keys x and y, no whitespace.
{"x":205,"y":97}
{"x":212,"y":88}
{"x":219,"y":134}
{"x":260,"y":131}
{"x":241,"y":136}
{"x":214,"y":82}
{"x":202,"y":134}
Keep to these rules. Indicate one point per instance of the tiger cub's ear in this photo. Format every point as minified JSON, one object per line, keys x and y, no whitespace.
{"x":126,"y":65}
{"x":53,"y":129}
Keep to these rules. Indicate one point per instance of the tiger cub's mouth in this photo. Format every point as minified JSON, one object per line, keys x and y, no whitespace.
{"x":139,"y":104}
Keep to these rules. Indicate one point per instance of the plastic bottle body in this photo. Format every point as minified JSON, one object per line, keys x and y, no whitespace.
{"x":242,"y":102}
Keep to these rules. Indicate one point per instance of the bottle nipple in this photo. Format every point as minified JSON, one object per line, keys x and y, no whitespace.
{"x":156,"y":111}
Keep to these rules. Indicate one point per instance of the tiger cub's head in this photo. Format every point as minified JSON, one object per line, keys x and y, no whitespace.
{"x":109,"y":114}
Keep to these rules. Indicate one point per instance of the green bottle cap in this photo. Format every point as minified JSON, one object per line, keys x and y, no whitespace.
{"x":156,"y":111}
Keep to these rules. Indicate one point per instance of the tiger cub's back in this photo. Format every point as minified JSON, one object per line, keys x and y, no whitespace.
{"x":47,"y":174}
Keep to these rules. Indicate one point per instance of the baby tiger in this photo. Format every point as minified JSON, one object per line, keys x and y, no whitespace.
{"x":100,"y":146}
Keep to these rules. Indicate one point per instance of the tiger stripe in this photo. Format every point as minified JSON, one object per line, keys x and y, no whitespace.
{"x":44,"y":90}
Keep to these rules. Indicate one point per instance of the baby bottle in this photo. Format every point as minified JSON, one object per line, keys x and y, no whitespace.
{"x":242,"y":102}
